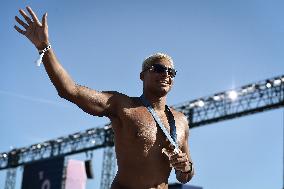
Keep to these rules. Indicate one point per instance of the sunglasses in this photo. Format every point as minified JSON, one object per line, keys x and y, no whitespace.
{"x":159,"y":68}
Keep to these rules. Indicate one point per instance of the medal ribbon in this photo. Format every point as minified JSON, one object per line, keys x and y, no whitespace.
{"x":172,"y":136}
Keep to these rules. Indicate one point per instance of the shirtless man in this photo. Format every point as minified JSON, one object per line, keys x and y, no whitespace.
{"x":139,"y":141}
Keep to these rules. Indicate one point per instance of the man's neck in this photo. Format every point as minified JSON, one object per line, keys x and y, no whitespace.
{"x":158,"y":103}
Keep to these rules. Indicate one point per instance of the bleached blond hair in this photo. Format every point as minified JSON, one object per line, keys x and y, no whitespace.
{"x":150,"y":60}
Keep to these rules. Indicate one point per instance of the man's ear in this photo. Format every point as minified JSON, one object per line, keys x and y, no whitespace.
{"x":142,"y":76}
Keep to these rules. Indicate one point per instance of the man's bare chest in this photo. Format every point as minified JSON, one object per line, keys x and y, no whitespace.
{"x":140,"y":127}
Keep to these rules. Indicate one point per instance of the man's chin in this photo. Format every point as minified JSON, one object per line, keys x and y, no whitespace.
{"x":164,"y":91}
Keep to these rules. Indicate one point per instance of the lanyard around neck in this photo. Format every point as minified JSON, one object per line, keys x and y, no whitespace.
{"x":172,"y":136}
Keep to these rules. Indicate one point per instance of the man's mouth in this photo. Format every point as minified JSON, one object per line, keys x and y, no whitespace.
{"x":163,"y":82}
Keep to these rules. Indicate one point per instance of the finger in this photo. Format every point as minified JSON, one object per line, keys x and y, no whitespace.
{"x":21,"y":22}
{"x":33,"y":15}
{"x":19,"y":30}
{"x":180,"y":168}
{"x":178,"y":159}
{"x":44,"y":20}
{"x":174,"y":156}
{"x":180,"y":164}
{"x":26,"y":17}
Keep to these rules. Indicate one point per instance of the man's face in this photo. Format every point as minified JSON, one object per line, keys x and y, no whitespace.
{"x":158,"y":79}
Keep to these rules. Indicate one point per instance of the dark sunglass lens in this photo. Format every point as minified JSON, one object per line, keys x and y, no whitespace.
{"x":172,"y":72}
{"x":159,"y":68}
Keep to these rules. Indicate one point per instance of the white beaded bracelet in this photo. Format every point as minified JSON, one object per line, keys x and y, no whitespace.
{"x":41,"y":53}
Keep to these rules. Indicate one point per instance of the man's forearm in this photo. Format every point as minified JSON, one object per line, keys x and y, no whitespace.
{"x":63,"y":83}
{"x":184,"y":177}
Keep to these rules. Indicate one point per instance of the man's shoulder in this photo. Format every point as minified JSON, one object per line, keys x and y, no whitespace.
{"x":117,"y":95}
{"x":123,"y":99}
{"x":178,"y":114}
{"x":180,"y":117}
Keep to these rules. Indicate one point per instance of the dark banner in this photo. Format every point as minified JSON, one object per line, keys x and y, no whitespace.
{"x":182,"y":186}
{"x":46,"y":174}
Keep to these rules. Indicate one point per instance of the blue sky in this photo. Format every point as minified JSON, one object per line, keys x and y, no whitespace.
{"x":216,"y":45}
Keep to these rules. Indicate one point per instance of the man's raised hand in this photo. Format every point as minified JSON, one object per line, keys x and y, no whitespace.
{"x":35,"y":31}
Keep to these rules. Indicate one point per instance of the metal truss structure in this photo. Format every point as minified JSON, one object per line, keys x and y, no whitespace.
{"x":88,"y":140}
{"x":108,"y":168}
{"x":10,"y":182}
{"x":249,"y":99}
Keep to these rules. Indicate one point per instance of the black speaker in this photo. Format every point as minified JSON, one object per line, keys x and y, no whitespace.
{"x":89,"y":169}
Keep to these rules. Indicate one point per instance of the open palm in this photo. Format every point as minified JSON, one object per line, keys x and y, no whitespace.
{"x":35,"y":31}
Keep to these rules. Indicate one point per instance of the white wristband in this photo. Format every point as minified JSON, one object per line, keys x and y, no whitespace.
{"x":39,"y":60}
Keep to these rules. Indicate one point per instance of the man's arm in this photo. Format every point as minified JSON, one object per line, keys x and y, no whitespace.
{"x":91,"y":101}
{"x":185,"y":175}
{"x":182,"y":161}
